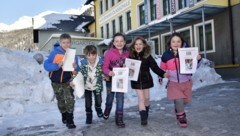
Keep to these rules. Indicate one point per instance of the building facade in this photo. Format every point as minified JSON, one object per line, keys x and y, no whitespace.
{"x":157,"y":19}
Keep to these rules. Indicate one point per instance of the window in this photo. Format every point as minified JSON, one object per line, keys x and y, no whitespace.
{"x":166,"y":7}
{"x":106,"y":5}
{"x":101,"y":7}
{"x":182,"y":4}
{"x":186,"y":36}
{"x":142,"y":14}
{"x":113,"y":3}
{"x":113,"y":27}
{"x":129,"y":25}
{"x":120,"y":24}
{"x":153,"y":13}
{"x":107,"y":28}
{"x":102,"y":32}
{"x":155,"y":40}
{"x":209,"y":33}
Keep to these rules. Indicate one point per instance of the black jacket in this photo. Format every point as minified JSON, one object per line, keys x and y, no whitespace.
{"x":145,"y":79}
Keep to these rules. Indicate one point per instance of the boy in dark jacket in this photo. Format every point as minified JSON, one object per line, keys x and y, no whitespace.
{"x":60,"y":80}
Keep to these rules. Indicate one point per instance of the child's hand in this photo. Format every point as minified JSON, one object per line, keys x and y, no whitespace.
{"x":106,"y":78}
{"x":74,"y":65}
{"x":60,"y":64}
{"x":71,"y":84}
{"x":165,"y":75}
{"x":111,"y":73}
{"x":160,"y":81}
{"x":199,"y":57}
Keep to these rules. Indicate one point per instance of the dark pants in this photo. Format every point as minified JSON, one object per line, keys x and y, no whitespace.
{"x":88,"y":101}
{"x":110,"y":97}
{"x":64,"y":96}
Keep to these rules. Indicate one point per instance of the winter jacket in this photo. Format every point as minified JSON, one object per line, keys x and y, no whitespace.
{"x":99,"y":74}
{"x":114,"y":59}
{"x":56,"y":74}
{"x":145,"y":79}
{"x":170,"y":63}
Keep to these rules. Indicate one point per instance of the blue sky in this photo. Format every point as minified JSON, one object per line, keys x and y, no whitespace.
{"x":11,"y":10}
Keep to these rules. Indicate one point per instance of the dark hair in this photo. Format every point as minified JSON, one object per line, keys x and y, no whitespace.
{"x":146,"y":49}
{"x":90,"y":49}
{"x":118,"y":34}
{"x":65,"y":36}
{"x":174,"y":34}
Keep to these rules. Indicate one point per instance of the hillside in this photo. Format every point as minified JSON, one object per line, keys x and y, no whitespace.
{"x":18,"y":39}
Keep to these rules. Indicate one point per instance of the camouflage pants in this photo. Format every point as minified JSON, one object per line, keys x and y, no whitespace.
{"x":65,"y":97}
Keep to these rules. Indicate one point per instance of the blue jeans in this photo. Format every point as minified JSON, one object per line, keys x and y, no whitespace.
{"x":110,"y":97}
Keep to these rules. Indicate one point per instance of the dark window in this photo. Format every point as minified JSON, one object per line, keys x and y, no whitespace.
{"x":113,"y":27}
{"x":166,"y":7}
{"x":156,"y":45}
{"x":153,"y":9}
{"x":186,"y":36}
{"x":208,"y":33}
{"x":120,"y":24}
{"x":102,"y":32}
{"x":113,"y":3}
{"x":107,"y":29}
{"x":129,"y":23}
{"x":182,"y":4}
{"x":142,"y":14}
{"x":106,"y":5}
{"x":101,"y":7}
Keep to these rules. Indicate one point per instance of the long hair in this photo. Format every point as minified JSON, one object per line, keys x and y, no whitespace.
{"x":173,"y":35}
{"x":146,"y":49}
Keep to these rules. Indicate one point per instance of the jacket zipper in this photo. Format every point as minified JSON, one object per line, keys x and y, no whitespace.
{"x":176,"y":68}
{"x":140,"y":75}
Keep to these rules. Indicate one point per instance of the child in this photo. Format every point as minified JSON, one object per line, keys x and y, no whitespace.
{"x":179,"y":87}
{"x":140,"y":50}
{"x":115,"y":57}
{"x":60,"y":80}
{"x":91,"y":69}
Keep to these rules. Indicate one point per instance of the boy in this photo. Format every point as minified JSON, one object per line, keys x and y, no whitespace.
{"x":91,"y":69}
{"x":60,"y":80}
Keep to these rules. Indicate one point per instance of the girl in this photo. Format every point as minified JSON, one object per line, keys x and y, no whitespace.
{"x":115,"y":57}
{"x":179,"y":87}
{"x":140,"y":50}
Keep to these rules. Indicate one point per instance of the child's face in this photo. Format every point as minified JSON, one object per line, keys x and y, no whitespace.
{"x":176,"y":43}
{"x":91,"y":58}
{"x":138,"y":46}
{"x":119,"y":42}
{"x":65,"y":43}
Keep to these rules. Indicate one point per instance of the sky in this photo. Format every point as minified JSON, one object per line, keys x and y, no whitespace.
{"x":26,"y":109}
{"x":11,"y":10}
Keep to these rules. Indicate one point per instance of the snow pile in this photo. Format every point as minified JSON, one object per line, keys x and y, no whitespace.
{"x":23,"y":81}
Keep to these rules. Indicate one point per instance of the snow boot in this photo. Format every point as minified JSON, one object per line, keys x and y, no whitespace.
{"x":70,"y":124}
{"x":64,"y":118}
{"x":99,"y":112}
{"x":143,"y":115}
{"x":107,"y":112}
{"x":89,"y":117}
{"x":147,"y":110}
{"x":182,"y":120}
{"x":119,"y":120}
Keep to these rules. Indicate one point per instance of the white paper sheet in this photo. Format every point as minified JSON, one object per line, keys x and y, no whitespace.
{"x":120,"y":80}
{"x":188,"y":60}
{"x":134,"y":67}
{"x":79,"y":85}
{"x":68,"y":60}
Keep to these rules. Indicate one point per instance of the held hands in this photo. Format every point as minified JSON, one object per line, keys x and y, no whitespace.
{"x":60,"y":64}
{"x":199,"y":57}
{"x":111,"y":73}
{"x":74,"y":65}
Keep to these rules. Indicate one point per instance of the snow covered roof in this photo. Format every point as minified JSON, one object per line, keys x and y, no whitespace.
{"x":105,"y":41}
{"x":65,"y":22}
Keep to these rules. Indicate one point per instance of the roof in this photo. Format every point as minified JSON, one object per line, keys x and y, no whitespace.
{"x":177,"y":19}
{"x":88,"y":2}
{"x":65,"y":22}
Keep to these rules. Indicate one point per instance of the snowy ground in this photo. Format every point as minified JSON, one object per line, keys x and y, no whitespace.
{"x":27,"y":102}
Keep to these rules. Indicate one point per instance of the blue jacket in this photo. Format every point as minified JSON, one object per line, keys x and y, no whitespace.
{"x":56,"y":74}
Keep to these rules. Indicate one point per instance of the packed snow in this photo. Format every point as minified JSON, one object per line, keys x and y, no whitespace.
{"x":27,"y":99}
